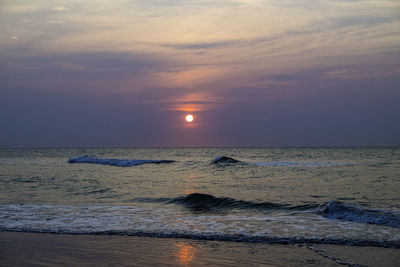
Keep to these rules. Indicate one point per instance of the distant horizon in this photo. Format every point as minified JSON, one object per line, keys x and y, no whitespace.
{"x":166,"y":147}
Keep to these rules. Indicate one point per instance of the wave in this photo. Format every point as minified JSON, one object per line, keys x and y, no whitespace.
{"x":224,"y":159}
{"x":221,"y":160}
{"x":206,"y":202}
{"x":115,"y":162}
{"x":332,"y":210}
{"x":345,"y":212}
{"x":288,"y":228}
{"x":289,"y":240}
{"x":294,"y":164}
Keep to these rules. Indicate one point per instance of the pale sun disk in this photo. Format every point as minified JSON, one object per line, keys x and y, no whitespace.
{"x":189,"y":118}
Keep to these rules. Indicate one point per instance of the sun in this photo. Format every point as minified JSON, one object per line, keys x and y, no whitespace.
{"x":189,"y":118}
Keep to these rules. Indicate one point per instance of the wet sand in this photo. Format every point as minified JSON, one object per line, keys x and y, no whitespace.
{"x":37,"y":249}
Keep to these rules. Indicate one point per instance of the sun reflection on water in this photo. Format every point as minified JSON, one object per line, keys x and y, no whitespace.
{"x":185,"y":253}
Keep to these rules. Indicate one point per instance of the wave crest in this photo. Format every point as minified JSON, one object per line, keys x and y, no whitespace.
{"x":206,"y":202}
{"x":224,"y":159}
{"x":331,"y":210}
{"x":115,"y":162}
{"x":345,"y":212}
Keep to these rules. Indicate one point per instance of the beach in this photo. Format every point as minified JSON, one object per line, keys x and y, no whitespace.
{"x":39,"y":249}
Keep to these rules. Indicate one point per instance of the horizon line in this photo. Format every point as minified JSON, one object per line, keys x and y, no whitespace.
{"x":199,"y":147}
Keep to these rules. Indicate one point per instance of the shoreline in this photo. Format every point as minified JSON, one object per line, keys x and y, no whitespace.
{"x":22,"y":248}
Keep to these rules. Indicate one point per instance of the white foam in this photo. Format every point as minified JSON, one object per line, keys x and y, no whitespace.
{"x":293,"y":164}
{"x":115,"y":162}
{"x":128,"y":219}
{"x":346,"y":212}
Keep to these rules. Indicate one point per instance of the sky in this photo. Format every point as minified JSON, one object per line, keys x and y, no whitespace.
{"x":125,"y":73}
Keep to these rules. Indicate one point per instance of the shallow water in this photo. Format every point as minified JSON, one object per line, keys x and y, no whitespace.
{"x":285,"y":195}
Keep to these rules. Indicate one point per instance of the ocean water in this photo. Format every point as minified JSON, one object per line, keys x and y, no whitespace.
{"x":347,"y":196}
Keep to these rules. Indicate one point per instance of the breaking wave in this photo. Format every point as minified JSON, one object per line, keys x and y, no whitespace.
{"x":345,"y":212}
{"x":219,"y":161}
{"x":224,"y":159}
{"x":305,"y":164}
{"x":115,"y":162}
{"x":332,"y":210}
{"x":135,"y":221}
{"x":206,"y":202}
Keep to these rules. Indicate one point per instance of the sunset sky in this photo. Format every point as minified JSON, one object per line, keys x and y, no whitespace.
{"x":252,"y":73}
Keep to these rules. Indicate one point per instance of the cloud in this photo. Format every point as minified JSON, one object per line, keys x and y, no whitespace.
{"x":190,"y":76}
{"x":19,"y":8}
{"x":202,"y":46}
{"x":358,"y":72}
{"x":361,"y":20}
{"x":59,"y":8}
{"x":13,"y":37}
{"x":193,"y":102}
{"x":106,"y":72}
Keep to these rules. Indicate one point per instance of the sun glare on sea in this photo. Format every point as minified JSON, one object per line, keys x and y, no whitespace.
{"x":189,"y":118}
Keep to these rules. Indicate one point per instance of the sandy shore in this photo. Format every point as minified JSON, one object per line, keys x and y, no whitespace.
{"x":35,"y":249}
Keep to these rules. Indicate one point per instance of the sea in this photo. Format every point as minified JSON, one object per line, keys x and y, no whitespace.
{"x":318,"y":195}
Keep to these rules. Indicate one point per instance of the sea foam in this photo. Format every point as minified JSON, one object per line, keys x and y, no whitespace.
{"x":346,"y":212}
{"x":134,"y":221}
{"x":333,"y":210}
{"x":229,"y":160}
